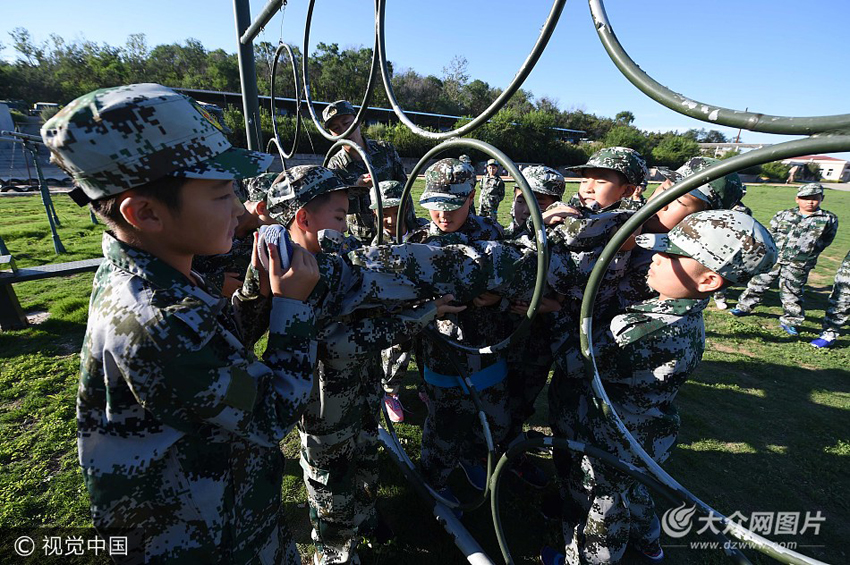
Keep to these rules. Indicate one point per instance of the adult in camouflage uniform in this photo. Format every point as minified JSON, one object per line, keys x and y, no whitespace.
{"x":226,"y":271}
{"x":801,"y":234}
{"x":178,"y":423}
{"x":657,"y":344}
{"x":492,"y":191}
{"x":839,"y":306}
{"x":348,"y":163}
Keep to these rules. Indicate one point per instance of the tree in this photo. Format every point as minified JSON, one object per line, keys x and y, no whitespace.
{"x":455,"y":78}
{"x":674,"y":150}
{"x":626,"y":136}
{"x":625,"y":118}
{"x":775,"y":170}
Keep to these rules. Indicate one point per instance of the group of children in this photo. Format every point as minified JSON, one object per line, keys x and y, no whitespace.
{"x":179,"y":424}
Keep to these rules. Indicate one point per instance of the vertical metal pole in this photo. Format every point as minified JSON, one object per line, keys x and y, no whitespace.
{"x":45,"y":198}
{"x":247,"y":75}
{"x":92,"y":216}
{"x":3,"y":249}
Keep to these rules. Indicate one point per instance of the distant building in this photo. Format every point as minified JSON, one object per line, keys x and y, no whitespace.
{"x":831,"y":168}
{"x":718,"y":149}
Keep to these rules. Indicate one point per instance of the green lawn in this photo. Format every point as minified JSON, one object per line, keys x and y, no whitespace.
{"x":766,"y":418}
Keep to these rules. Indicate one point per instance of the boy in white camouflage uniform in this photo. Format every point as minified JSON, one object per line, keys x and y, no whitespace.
{"x":801,"y":234}
{"x":659,"y":343}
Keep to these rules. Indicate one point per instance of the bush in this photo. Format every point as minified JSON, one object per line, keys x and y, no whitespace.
{"x":754,"y":170}
{"x":775,"y":170}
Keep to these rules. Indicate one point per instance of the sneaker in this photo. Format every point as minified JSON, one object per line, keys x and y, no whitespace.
{"x":529,"y":473}
{"x":394,"y":408}
{"x":821,"y":343}
{"x":652,"y":553}
{"x":790,"y":330}
{"x":738,"y":313}
{"x":720,"y":303}
{"x":475,"y":474}
{"x":450,"y":496}
{"x":551,"y":556}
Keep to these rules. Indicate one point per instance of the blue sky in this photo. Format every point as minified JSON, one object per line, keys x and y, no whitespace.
{"x":775,"y":57}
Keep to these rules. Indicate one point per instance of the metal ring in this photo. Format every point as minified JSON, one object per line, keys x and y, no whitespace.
{"x":826,"y":144}
{"x":496,"y":105}
{"x":280,"y":49}
{"x":536,"y":218}
{"x":705,"y":112}
{"x":370,"y":85}
{"x":342,"y":142}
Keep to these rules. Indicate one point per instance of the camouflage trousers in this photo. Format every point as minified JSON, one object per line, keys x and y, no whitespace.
{"x":446,"y":437}
{"x":339,"y":456}
{"x":489,"y":206}
{"x":792,"y":279}
{"x":529,"y":364}
{"x":838,"y":309}
{"x":604,"y":510}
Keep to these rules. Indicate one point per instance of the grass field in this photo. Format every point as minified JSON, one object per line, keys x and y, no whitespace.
{"x":766,"y":418}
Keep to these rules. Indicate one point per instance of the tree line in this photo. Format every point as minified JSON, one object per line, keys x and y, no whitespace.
{"x":57,"y":70}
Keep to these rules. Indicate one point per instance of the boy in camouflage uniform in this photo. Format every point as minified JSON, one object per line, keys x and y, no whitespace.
{"x":839,"y":306}
{"x":338,"y":429}
{"x":720,"y":295}
{"x":396,"y":359}
{"x":446,"y":441}
{"x":338,"y":116}
{"x":227,"y":270}
{"x":659,"y":343}
{"x":178,"y":423}
{"x":801,"y":234}
{"x":492,"y":191}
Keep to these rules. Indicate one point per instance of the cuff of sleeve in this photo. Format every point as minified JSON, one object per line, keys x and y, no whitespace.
{"x":292,"y":318}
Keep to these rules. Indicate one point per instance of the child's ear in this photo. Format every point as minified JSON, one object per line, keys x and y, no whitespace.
{"x":629,"y":190}
{"x":302,"y":220}
{"x":260,"y":208}
{"x":710,"y":282}
{"x":472,"y":196}
{"x":142,"y":213}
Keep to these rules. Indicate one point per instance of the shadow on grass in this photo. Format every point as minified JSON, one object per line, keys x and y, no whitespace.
{"x":756,"y":437}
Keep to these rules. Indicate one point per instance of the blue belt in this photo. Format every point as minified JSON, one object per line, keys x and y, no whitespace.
{"x":487,"y":377}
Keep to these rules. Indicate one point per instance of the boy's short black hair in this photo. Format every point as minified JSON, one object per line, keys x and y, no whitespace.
{"x":166,"y":190}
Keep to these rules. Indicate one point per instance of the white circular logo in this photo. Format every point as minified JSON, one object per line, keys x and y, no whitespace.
{"x":676,"y":522}
{"x":24,"y":546}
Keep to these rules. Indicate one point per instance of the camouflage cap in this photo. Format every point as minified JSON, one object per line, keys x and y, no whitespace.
{"x":544,"y":180}
{"x":448,"y":183}
{"x":722,"y":193}
{"x":668,"y":174}
{"x":466,"y":158}
{"x":338,"y":108}
{"x":390,"y":191}
{"x":810,"y":189}
{"x":492,"y":162}
{"x":732,"y":244}
{"x":620,"y":159}
{"x":296,"y":186}
{"x":114,"y":139}
{"x":258,"y":186}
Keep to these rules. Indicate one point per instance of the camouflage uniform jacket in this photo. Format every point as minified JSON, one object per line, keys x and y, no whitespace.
{"x":213,"y":267}
{"x":474,"y":326}
{"x":492,"y":187}
{"x":178,"y":423}
{"x":800,"y":239}
{"x":659,"y":343}
{"x":387,"y":165}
